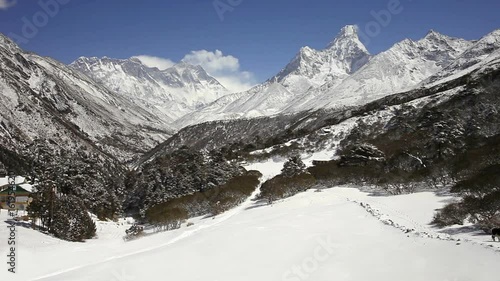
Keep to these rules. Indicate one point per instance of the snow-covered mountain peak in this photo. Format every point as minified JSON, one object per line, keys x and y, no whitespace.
{"x":349,"y":30}
{"x":343,"y":74}
{"x":90,"y":62}
{"x":191,"y":75}
{"x":7,"y":43}
{"x":312,"y":68}
{"x":308,"y":71}
{"x":170,"y":93}
{"x":184,"y":68}
{"x":434,"y":47}
{"x":477,"y":54}
{"x":439,"y":38}
{"x":492,"y":38}
{"x":43,"y":98}
{"x":398,"y":69}
{"x":433,"y":34}
{"x":136,"y":60}
{"x":347,"y":39}
{"x":441,"y":48}
{"x":306,"y":51}
{"x":350,"y":49}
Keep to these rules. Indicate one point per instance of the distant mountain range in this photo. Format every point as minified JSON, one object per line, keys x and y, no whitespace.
{"x":45,"y":99}
{"x":123,"y":108}
{"x":345,"y":74}
{"x":169,"y":94}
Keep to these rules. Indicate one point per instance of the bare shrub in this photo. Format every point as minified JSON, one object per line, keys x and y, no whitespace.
{"x":281,"y":186}
{"x":450,"y":215}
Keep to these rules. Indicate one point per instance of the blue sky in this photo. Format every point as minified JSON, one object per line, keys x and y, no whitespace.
{"x":256,"y":38}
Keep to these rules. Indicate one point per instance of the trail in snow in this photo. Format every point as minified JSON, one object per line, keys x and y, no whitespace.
{"x":223,"y":240}
{"x":267,"y":243}
{"x":268,"y":169}
{"x":382,"y":211}
{"x":407,"y":225}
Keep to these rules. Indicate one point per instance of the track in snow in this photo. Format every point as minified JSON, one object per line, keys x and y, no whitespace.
{"x":190,"y":232}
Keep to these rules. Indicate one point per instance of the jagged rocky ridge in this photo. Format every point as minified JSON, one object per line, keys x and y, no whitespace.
{"x":169,"y":94}
{"x":345,"y":74}
{"x":42,"y":98}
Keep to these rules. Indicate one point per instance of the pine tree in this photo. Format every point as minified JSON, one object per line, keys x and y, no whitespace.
{"x":43,"y":178}
{"x":294,"y":166}
{"x":71,"y":220}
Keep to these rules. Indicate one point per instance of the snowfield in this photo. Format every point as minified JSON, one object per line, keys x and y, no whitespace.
{"x":339,"y":233}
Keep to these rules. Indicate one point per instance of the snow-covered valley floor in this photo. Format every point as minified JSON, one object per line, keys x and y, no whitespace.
{"x":337,"y":234}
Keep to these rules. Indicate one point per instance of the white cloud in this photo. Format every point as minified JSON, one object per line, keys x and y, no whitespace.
{"x":152,"y":61}
{"x":213,"y":61}
{"x":238,"y":82}
{"x":5,"y":4}
{"x":224,"y":68}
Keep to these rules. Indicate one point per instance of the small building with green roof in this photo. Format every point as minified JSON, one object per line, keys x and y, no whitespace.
{"x":21,"y":195}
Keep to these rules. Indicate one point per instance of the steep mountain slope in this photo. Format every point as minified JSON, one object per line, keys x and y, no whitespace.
{"x":344,"y":74}
{"x":312,"y":68}
{"x":170,"y":93}
{"x":308,"y":70}
{"x":262,"y":100}
{"x":481,"y":52}
{"x":398,"y":69}
{"x":42,"y":98}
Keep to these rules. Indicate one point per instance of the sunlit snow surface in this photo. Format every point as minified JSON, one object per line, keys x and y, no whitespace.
{"x":337,"y":234}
